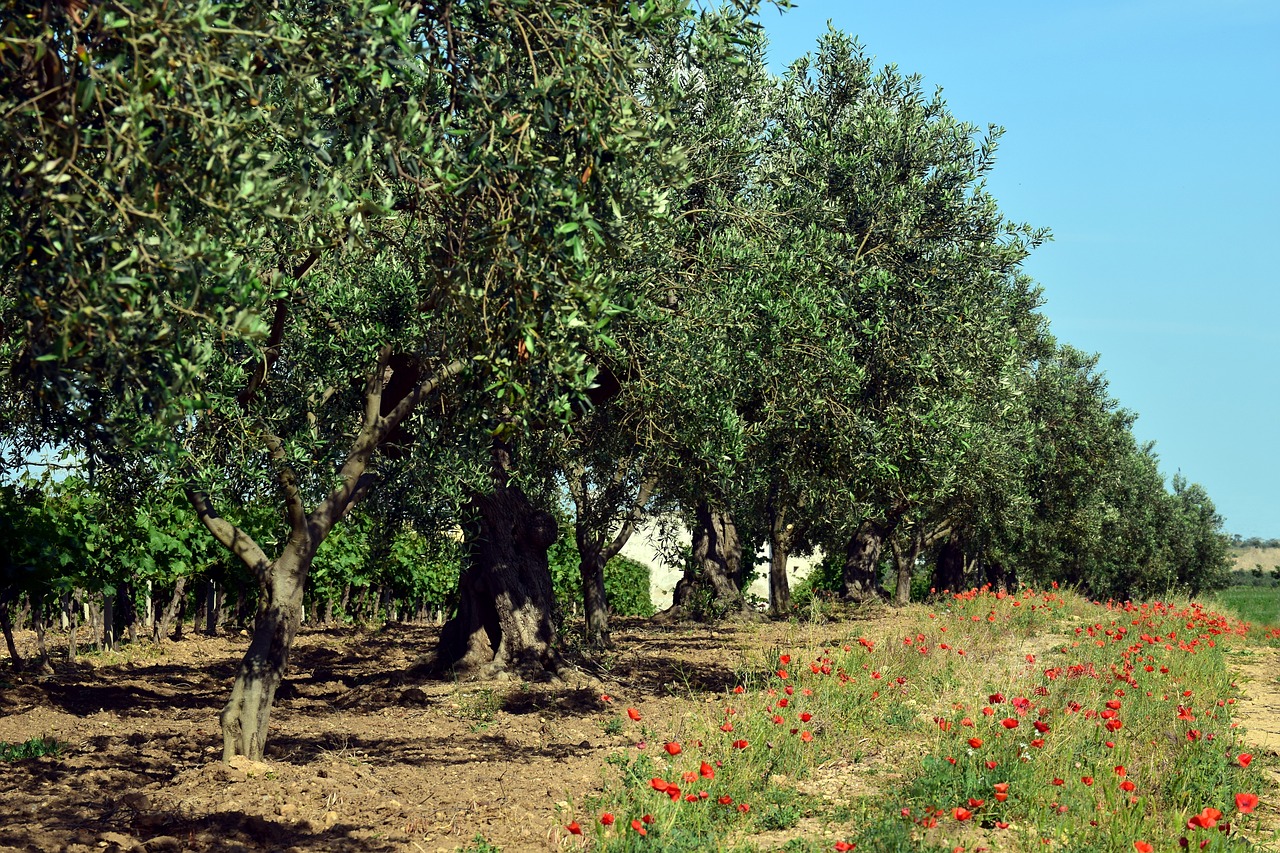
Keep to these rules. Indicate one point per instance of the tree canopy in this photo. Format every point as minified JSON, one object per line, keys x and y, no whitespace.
{"x":340,"y":279}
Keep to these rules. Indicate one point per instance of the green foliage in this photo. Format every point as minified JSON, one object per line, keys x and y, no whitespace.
{"x":626,"y":581}
{"x":37,"y":747}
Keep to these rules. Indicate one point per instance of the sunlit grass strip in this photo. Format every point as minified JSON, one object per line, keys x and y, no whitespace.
{"x":1031,"y":721}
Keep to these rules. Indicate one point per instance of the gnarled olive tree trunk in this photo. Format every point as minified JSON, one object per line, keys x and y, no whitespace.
{"x":715,"y":573}
{"x":949,"y":570}
{"x":862,"y":562}
{"x":244,"y":718}
{"x":282,"y":581}
{"x":905,"y":554}
{"x":506,"y":605}
{"x":781,"y":535}
{"x":595,"y":516}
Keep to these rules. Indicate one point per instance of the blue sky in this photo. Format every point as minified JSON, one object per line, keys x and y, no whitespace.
{"x":1146,"y":136}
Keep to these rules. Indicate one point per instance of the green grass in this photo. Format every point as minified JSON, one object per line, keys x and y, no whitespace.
{"x":1013,"y":723}
{"x":34,"y":748}
{"x":1257,"y":604}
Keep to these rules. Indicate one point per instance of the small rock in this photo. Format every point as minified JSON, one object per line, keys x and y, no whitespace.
{"x":248,"y":766}
{"x":330,"y":818}
{"x":119,"y":841}
{"x":287,"y":810}
{"x":163,"y":844}
{"x":137,"y":801}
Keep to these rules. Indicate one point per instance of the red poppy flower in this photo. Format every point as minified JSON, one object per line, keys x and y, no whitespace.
{"x":1246,"y":803}
{"x":784,"y":659}
{"x":843,"y":846}
{"x":1193,"y":734}
{"x":744,"y":807}
{"x":739,"y":744}
{"x":1001,"y":787}
{"x":659,"y":784}
{"x":1001,"y":825}
{"x":573,"y":827}
{"x":1038,"y":743}
{"x":706,"y":771}
{"x":1088,"y":780}
{"x":1041,"y":727}
{"x":1009,"y":723}
{"x":961,"y":813}
{"x":1057,"y":782}
{"x":727,"y":727}
{"x":975,"y":742}
{"x":782,"y":673}
{"x":777,"y":719}
{"x":648,"y":818}
{"x":806,"y":736}
{"x":739,"y":689}
{"x":725,"y":800}
{"x":639,"y":827}
{"x":1142,"y":847}
{"x":976,"y":803}
{"x":673,"y":748}
{"x":1127,"y":785}
{"x":806,"y":717}
{"x":1114,"y":725}
{"x":606,"y":819}
{"x":1244,"y":759}
{"x":1207,"y":819}
{"x":633,"y":714}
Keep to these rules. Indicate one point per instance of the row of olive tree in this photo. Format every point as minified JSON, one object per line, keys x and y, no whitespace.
{"x":478,"y":261}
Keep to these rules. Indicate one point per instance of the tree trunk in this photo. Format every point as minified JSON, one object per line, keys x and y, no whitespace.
{"x":162,"y":624}
{"x":997,"y":576}
{"x":595,"y":602}
{"x":40,"y":626}
{"x":70,"y":611}
{"x":505,"y":619}
{"x":905,"y":558}
{"x":862,"y":562}
{"x":712,"y":585}
{"x":780,"y":536}
{"x":211,"y":608}
{"x":7,"y":598}
{"x":247,"y":713}
{"x":108,"y":622}
{"x":948,"y":572}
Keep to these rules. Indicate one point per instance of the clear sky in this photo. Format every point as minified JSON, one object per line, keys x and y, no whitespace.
{"x":1146,"y":135}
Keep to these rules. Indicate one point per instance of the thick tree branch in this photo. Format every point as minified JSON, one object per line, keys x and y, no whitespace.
{"x":228,"y":535}
{"x":352,"y":479}
{"x":632,"y":519}
{"x":271,"y":352}
{"x":294,"y":512}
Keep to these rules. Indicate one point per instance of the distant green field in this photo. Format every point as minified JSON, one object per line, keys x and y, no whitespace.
{"x":1258,"y":604}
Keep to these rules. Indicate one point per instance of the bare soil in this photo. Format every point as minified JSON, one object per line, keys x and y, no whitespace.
{"x":359,"y":758}
{"x":363,"y":758}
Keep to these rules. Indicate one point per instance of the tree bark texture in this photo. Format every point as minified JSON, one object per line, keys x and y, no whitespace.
{"x":595,"y":602}
{"x":506,"y":605}
{"x":716,"y":570}
{"x":905,"y":557}
{"x":246,"y":715}
{"x":7,"y":597}
{"x":948,"y":571}
{"x":163,"y":624}
{"x":862,"y":562}
{"x":780,"y":537}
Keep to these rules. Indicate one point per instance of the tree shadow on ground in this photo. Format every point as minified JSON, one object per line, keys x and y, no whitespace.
{"x":489,"y":748}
